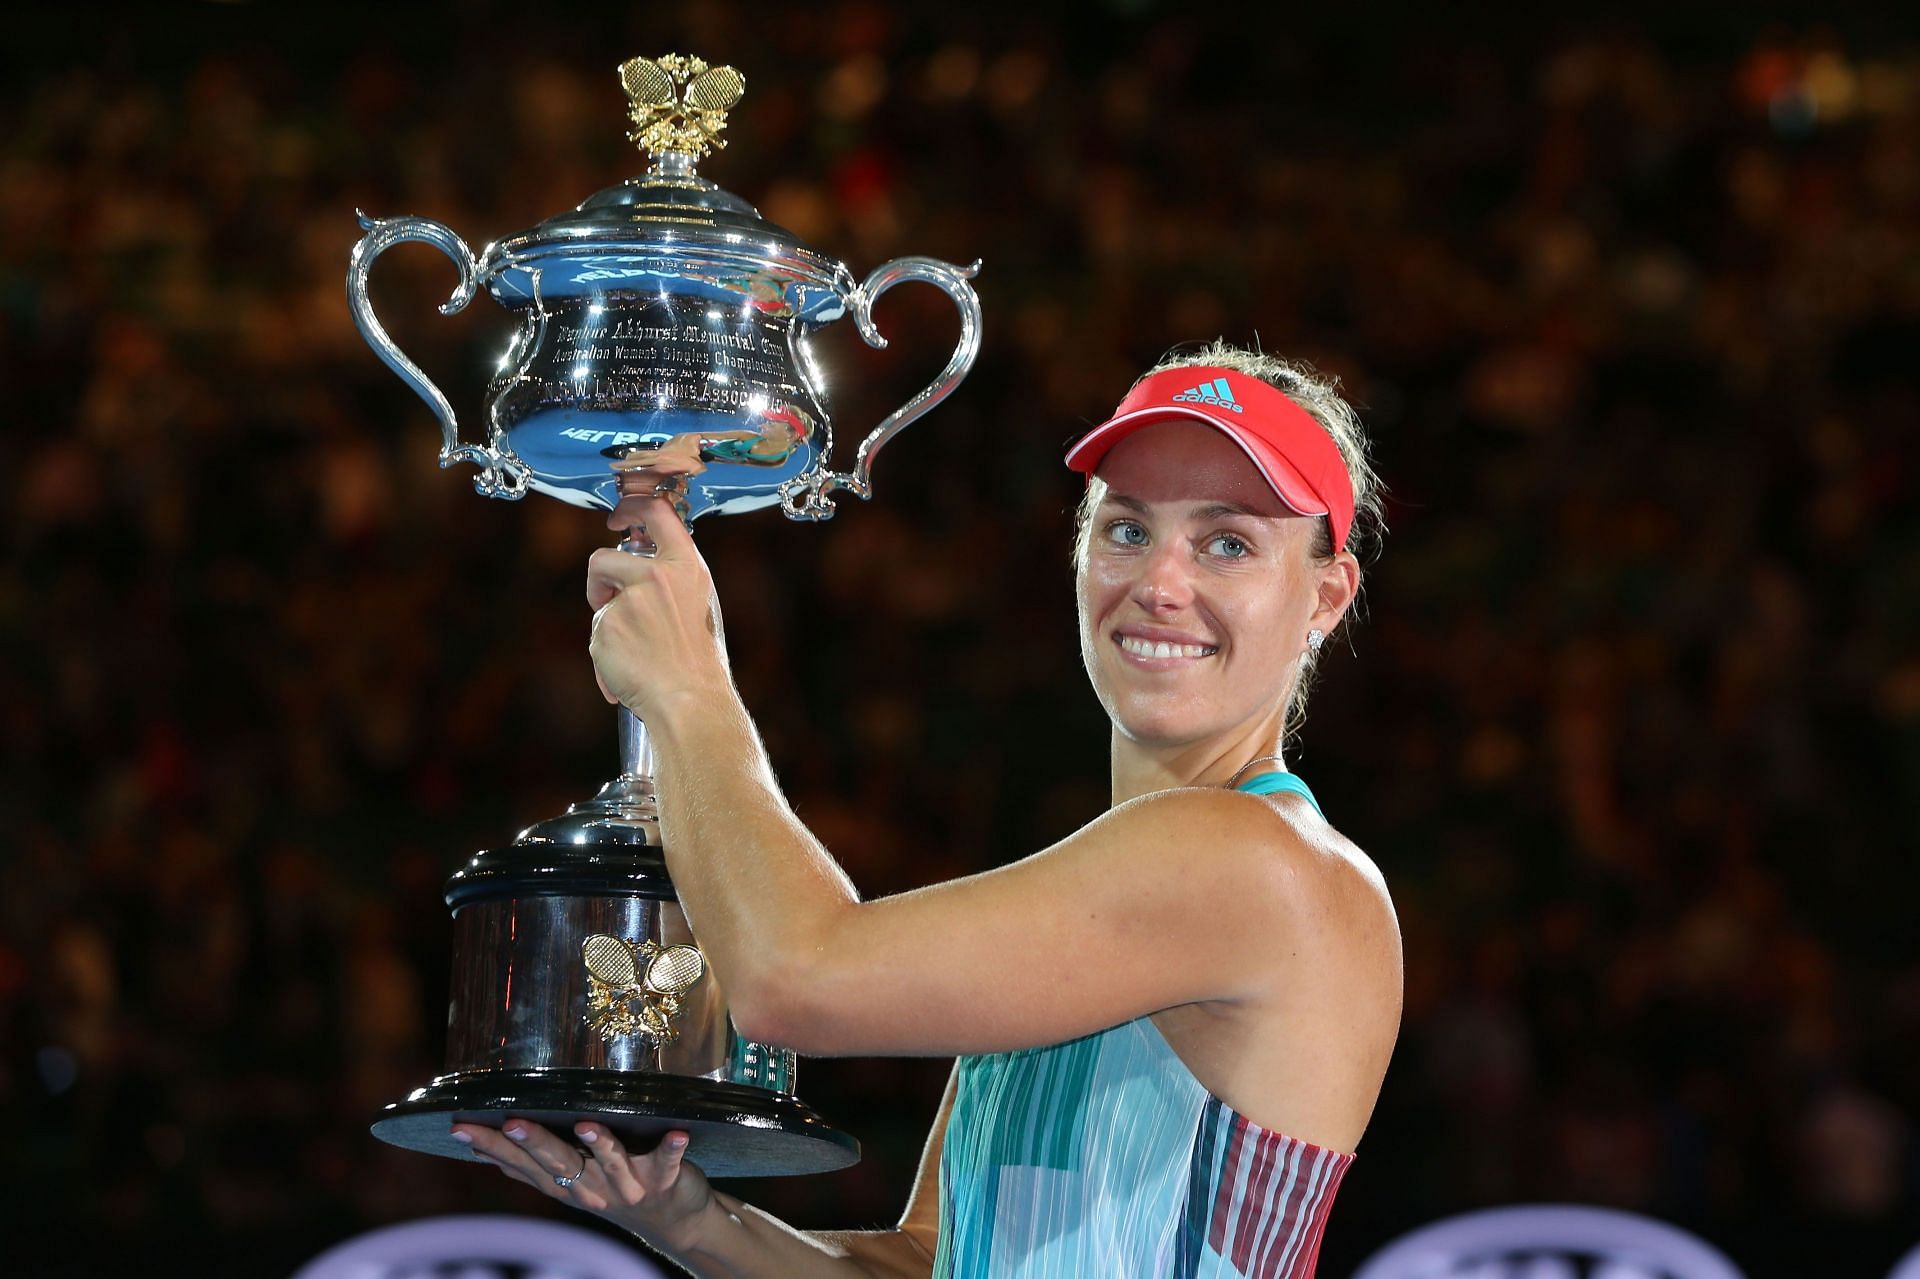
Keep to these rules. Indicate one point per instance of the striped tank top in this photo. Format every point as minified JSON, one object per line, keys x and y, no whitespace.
{"x":1104,"y":1156}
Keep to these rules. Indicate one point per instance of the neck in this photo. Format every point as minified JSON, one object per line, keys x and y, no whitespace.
{"x":1139,"y":769}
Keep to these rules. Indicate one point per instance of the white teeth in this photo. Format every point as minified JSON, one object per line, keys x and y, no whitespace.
{"x":1161,"y":649}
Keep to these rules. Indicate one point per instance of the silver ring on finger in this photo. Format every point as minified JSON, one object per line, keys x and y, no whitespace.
{"x":565,"y":1182}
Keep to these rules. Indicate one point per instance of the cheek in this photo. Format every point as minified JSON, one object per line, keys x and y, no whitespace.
{"x":1096,"y":594}
{"x":1262,"y":622}
{"x":1096,"y":586}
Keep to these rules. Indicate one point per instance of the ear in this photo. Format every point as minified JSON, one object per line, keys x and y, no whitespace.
{"x":1338,"y":586}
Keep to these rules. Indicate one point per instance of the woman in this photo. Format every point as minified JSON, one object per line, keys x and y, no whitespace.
{"x":1171,"y":1026}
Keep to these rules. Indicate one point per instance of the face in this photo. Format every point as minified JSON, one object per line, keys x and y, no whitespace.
{"x":1191,"y":548}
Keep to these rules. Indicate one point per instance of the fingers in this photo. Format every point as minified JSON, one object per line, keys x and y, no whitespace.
{"x":666,"y":1159}
{"x":657,"y":1171}
{"x":610,"y":571}
{"x":663,"y":523}
{"x":557,"y":1158}
{"x":643,"y":476}
{"x":482,"y":1147}
{"x":610,"y":1157}
{"x":602,"y":1172}
{"x":490,"y":1145}
{"x":527,"y":1152}
{"x":631,"y":511}
{"x":633,"y":506}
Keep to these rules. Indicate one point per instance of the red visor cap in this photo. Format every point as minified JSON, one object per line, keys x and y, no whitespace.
{"x":1293,"y":451}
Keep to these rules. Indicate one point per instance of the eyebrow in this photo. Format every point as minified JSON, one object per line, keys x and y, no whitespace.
{"x":1211,"y":511}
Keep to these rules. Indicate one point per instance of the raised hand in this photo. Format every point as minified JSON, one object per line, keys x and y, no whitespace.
{"x":656,"y":624}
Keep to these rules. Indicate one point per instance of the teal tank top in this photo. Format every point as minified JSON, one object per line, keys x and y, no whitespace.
{"x":1104,"y":1156}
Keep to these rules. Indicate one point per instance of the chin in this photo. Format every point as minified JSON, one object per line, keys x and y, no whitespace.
{"x":1164,"y":720}
{"x":1161,"y":726}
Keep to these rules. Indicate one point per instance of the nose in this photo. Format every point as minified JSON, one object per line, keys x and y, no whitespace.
{"x":1165,"y":584}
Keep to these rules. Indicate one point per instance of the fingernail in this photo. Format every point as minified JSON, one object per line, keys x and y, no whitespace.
{"x":589,"y":1136}
{"x":676,"y":1143}
{"x":518,"y":1134}
{"x":463,"y":1138}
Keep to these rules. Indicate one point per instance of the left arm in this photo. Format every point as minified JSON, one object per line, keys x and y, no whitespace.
{"x":1172,"y":899}
{"x":1175,"y":898}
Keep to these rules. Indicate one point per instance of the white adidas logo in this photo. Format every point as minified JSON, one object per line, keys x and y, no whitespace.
{"x":1216,"y":393}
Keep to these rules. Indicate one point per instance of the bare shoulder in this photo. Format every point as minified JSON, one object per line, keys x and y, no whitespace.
{"x":1324,"y":937}
{"x":1347,"y":971}
{"x":1349,"y":905}
{"x":1280,"y":843}
{"x":1352,"y":876}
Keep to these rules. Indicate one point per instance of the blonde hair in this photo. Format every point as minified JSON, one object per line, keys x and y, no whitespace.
{"x":1319,"y":394}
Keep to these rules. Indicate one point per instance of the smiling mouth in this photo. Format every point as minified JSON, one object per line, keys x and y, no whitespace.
{"x":1154,"y":649}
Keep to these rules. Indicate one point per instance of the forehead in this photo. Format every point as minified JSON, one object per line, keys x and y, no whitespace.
{"x":1187,"y":461}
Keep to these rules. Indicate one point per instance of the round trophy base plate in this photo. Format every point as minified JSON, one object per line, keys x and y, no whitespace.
{"x":734,"y":1131}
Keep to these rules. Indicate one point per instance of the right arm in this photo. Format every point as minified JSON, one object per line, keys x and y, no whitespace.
{"x":668,"y":1204}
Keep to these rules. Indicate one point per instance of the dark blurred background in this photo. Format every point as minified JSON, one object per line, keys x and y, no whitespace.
{"x":1632,"y":305}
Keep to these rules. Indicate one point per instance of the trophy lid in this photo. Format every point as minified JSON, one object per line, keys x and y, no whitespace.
{"x":678,"y":108}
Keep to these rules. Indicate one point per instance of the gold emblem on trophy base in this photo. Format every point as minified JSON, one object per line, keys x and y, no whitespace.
{"x":679,"y":104}
{"x":634,"y":987}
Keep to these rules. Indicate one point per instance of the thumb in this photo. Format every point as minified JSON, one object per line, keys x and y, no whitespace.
{"x":666,"y":1158}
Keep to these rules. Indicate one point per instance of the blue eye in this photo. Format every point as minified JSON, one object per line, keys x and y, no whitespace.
{"x":1126,"y":533}
{"x":1229,"y":546}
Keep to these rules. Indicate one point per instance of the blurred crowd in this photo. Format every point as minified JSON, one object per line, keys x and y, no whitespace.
{"x":1630,"y":721}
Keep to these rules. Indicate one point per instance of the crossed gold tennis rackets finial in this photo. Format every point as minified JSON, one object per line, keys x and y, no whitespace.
{"x":680,"y":104}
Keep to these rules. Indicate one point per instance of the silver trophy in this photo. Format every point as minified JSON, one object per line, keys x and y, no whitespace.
{"x":663,"y":328}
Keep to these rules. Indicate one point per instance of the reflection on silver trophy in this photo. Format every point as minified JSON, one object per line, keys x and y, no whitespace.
{"x":662,"y":326}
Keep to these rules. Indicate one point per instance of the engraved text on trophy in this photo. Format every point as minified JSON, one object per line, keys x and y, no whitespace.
{"x":673,"y":353}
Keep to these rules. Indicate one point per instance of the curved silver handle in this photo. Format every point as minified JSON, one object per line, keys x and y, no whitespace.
{"x":806,"y":498}
{"x":499,"y":476}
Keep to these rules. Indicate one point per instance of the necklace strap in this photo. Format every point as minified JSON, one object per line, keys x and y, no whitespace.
{"x":1264,"y":759}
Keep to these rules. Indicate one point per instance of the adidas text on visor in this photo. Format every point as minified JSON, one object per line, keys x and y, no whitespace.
{"x":1293,"y":451}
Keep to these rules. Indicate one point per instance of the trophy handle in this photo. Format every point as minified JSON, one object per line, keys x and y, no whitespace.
{"x":500,"y":476}
{"x":806,"y":498}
